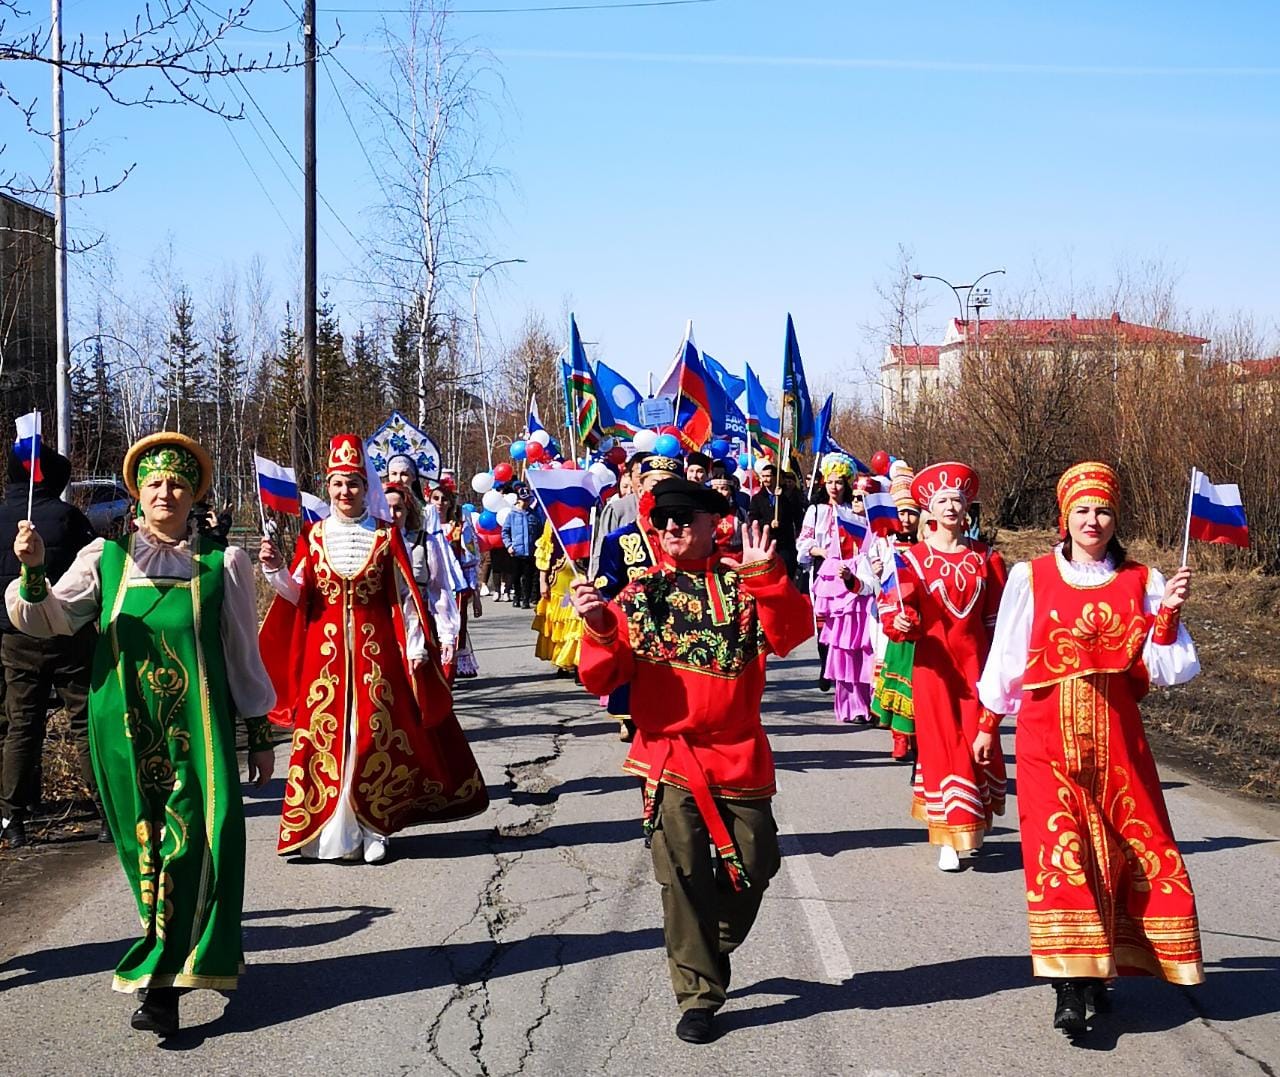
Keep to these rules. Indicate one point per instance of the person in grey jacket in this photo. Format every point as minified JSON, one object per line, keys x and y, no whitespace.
{"x":519,"y":535}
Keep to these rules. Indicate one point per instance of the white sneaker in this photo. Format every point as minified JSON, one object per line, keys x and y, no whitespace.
{"x":484,"y":590}
{"x":375,"y":849}
{"x":948,"y":859}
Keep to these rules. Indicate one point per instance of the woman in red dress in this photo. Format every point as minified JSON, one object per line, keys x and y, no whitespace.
{"x":376,"y":746}
{"x":950,"y":591}
{"x":1083,"y":632}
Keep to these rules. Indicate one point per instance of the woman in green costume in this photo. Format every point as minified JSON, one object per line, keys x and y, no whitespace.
{"x":891,"y":701}
{"x":176,"y":660}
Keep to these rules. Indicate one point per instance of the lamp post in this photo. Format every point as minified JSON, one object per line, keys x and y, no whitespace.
{"x":475,"y":319}
{"x":964,"y":303}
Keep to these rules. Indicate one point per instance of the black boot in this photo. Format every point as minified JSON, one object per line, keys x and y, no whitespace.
{"x":158,"y":1012}
{"x":1096,"y":996}
{"x":1069,"y":1016}
{"x":14,"y":834}
{"x":695,"y":1026}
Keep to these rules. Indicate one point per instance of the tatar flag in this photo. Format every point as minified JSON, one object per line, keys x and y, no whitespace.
{"x":1217,"y":513}
{"x":314,"y":509}
{"x":623,"y":399}
{"x":762,"y":416}
{"x":277,"y":486}
{"x":27,"y":444}
{"x":882,"y":513}
{"x":567,"y":497}
{"x":796,"y":387}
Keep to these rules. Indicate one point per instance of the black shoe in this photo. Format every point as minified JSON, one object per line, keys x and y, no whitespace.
{"x":14,"y":834}
{"x":1069,"y":1016}
{"x":158,"y":1012}
{"x":104,"y":833}
{"x":1096,"y":996}
{"x":695,"y":1026}
{"x":824,"y":685}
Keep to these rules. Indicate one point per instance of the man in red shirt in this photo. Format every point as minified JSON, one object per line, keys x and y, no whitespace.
{"x":691,"y":636}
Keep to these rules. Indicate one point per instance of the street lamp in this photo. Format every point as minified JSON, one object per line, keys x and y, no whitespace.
{"x":964,"y":303}
{"x":475,"y":318}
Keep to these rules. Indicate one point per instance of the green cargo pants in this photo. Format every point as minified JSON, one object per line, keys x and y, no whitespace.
{"x":704,"y":918}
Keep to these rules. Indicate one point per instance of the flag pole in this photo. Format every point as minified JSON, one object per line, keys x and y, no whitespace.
{"x":1186,"y":538}
{"x":31,"y":470}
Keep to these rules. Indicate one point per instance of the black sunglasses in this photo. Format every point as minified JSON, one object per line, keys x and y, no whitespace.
{"x":679,"y":517}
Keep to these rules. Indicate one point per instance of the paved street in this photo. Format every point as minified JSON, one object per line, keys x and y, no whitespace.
{"x":528,"y":940}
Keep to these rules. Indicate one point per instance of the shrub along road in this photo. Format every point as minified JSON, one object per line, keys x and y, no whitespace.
{"x":528,"y":940}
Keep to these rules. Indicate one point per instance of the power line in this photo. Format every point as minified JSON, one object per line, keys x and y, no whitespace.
{"x":540,"y":9}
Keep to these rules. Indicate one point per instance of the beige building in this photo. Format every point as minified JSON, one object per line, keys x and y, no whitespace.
{"x":910,"y":370}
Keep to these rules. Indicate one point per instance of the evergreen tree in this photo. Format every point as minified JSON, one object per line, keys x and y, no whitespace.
{"x":185,"y":381}
{"x":333,"y":375}
{"x":402,"y":371}
{"x":228,"y":404}
{"x":370,"y":404}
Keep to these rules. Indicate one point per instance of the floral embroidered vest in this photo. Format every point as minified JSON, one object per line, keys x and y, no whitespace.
{"x":1082,"y":630}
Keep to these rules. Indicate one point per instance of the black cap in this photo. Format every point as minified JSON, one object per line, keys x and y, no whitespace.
{"x":699,"y":458}
{"x":683,"y":494}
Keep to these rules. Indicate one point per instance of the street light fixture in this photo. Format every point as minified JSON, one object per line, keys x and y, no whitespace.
{"x":475,"y":318}
{"x":982,"y":299}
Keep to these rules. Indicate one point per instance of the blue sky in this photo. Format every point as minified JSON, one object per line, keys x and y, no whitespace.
{"x":735,"y":160}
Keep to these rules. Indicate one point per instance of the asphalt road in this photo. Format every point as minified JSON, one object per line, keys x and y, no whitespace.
{"x":528,"y":940}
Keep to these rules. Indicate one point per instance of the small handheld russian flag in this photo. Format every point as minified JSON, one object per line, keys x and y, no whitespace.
{"x":852,"y":525}
{"x":1215,"y":514}
{"x":569,"y":499}
{"x":882,"y":513}
{"x":27,"y":444}
{"x":314,"y":509}
{"x":277,"y":486}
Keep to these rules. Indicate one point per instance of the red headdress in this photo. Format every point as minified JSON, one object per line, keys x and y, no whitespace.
{"x":1090,"y":483}
{"x":948,"y":477}
{"x":346,"y":456}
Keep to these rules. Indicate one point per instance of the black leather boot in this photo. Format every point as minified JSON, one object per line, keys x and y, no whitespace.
{"x":1069,"y":1016}
{"x":158,"y":1012}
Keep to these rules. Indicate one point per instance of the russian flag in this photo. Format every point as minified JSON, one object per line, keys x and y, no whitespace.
{"x":882,"y":513}
{"x":27,"y":445}
{"x":567,"y":497}
{"x":852,"y":525}
{"x":1217,"y":513}
{"x":891,"y":585}
{"x":314,"y":509}
{"x":277,"y":486}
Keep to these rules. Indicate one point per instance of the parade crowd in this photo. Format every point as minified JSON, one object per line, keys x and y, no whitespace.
{"x":691,"y":579}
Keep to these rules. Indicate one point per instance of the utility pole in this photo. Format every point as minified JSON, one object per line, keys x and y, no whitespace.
{"x":63,"y":368}
{"x":310,"y":437}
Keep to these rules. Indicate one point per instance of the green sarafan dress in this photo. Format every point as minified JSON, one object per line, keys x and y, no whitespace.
{"x":161,"y":729}
{"x":891,"y":700}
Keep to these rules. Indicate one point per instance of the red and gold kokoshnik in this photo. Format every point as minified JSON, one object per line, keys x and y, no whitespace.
{"x":1090,"y":483}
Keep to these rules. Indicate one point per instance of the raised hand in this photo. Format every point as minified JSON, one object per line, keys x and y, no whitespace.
{"x":28,"y":546}
{"x":757,"y":546}
{"x":589,"y":603}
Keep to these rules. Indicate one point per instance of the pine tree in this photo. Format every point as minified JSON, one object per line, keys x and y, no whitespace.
{"x":333,"y":375}
{"x":280,"y":390}
{"x":185,"y":381}
{"x":402,"y":371}
{"x":228,"y":403}
{"x":370,"y":405}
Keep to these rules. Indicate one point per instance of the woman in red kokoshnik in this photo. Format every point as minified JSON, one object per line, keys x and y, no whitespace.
{"x":1083,"y":632}
{"x":376,"y":746}
{"x":950,"y":590}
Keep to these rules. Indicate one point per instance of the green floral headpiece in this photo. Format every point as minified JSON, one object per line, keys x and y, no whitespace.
{"x":170,"y":462}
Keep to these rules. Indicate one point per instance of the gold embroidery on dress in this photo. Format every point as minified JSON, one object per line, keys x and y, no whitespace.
{"x":308,"y":792}
{"x":1146,"y":867}
{"x":385,"y":786}
{"x":1062,"y":863}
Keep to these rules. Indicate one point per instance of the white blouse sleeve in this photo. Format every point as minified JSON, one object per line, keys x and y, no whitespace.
{"x":808,"y":537}
{"x":1173,"y":663}
{"x":1000,"y":686}
{"x":72,"y":602}
{"x":415,"y":636}
{"x":288,"y":585}
{"x":250,"y":686}
{"x":431,"y":575}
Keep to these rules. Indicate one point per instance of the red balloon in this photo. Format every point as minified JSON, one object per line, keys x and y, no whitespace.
{"x":570,"y":465}
{"x":617,"y":455}
{"x":534,"y":452}
{"x":674,"y":431}
{"x":503,"y":473}
{"x":880,"y":463}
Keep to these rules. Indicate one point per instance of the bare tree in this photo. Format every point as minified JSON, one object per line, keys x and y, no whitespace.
{"x":436,"y":176}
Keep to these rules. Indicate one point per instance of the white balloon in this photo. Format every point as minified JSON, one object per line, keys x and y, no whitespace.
{"x":541,"y":437}
{"x":645,"y":440}
{"x":602,"y":472}
{"x":493,"y":500}
{"x":510,"y":499}
{"x":482,"y":482}
{"x":503,"y":513}
{"x":740,"y":475}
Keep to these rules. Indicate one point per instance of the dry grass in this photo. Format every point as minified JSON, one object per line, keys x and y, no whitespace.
{"x":1225,"y":724}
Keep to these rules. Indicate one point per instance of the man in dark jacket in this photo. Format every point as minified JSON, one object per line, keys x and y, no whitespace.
{"x":35,"y":667}
{"x":789,"y":511}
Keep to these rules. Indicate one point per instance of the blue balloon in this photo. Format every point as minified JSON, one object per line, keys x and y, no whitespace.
{"x":667,"y":445}
{"x":719,"y":448}
{"x":468,"y":509}
{"x":744,"y":461}
{"x":488,"y":520}
{"x":517,"y":450}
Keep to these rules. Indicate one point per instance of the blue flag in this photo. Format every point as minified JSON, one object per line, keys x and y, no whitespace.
{"x":795,"y":386}
{"x":620,"y":399}
{"x":762,"y":417}
{"x":732,"y":385}
{"x":823,"y":442}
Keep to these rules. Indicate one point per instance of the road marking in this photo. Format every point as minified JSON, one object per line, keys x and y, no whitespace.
{"x":835,"y":959}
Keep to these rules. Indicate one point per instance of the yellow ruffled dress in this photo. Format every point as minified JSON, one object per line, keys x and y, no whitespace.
{"x":558,"y":625}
